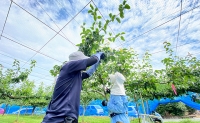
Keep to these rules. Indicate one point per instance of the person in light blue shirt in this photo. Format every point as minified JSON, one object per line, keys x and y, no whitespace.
{"x":118,"y":102}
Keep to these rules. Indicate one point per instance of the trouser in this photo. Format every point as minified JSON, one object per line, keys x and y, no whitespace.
{"x":70,"y":120}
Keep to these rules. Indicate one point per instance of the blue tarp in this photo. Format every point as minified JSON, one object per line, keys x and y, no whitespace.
{"x":13,"y":108}
{"x":186,"y":99}
{"x":149,"y":105}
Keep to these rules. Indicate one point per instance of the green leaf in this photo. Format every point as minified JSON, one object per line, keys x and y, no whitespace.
{"x":113,"y":39}
{"x":99,"y":17}
{"x":107,"y":21}
{"x":120,"y":8}
{"x":117,"y":35}
{"x":105,"y":27}
{"x":121,"y":14}
{"x":92,"y":28}
{"x":102,"y":41}
{"x":122,"y":38}
{"x":91,"y":6}
{"x":95,"y":17}
{"x":100,"y":24}
{"x":104,"y":30}
{"x":93,"y":24}
{"x":88,"y":30}
{"x":82,"y":36}
{"x":110,"y":15}
{"x":89,"y":11}
{"x":124,"y":2}
{"x":127,"y":6}
{"x":113,"y":17}
{"x":97,"y":30}
{"x":118,"y":20}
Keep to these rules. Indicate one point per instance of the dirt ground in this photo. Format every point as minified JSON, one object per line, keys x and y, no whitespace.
{"x":194,"y":117}
{"x":197,"y":116}
{"x":178,"y":120}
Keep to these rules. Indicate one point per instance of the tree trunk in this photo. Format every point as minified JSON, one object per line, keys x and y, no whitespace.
{"x":143,"y":104}
{"x":5,"y":109}
{"x":148,"y":108}
{"x":8,"y":109}
{"x":33,"y":110}
{"x":137,"y":108}
{"x":26,"y":111}
{"x":18,"y":114}
{"x":84,"y":109}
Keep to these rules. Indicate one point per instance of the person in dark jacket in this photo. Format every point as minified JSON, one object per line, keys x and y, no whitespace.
{"x":65,"y":102}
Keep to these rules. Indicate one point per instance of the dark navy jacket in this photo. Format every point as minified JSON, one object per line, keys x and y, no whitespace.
{"x":66,"y":96}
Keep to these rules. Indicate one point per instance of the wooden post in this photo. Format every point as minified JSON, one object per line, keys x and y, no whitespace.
{"x":137,"y":109}
{"x":142,"y":104}
{"x":148,"y":108}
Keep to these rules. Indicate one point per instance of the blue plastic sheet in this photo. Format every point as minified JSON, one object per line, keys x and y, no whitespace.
{"x":186,"y":99}
{"x":149,"y":105}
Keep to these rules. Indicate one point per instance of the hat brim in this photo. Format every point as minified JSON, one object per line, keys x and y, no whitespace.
{"x":120,"y":77}
{"x":112,"y":77}
{"x":78,"y":58}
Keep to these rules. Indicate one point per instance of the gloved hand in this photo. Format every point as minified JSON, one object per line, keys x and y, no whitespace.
{"x":103,"y":56}
{"x":100,"y":55}
{"x":108,"y":90}
{"x":104,"y":103}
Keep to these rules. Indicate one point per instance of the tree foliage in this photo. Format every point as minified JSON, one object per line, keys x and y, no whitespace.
{"x":13,"y":77}
{"x":172,"y":109}
{"x":16,"y":88}
{"x":141,"y":78}
{"x":93,"y":40}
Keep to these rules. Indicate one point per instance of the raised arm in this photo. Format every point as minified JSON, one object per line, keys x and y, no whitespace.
{"x":94,"y":60}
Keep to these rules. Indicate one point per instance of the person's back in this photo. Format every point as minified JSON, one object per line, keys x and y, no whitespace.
{"x":66,"y":94}
{"x":65,"y":101}
{"x":118,"y":106}
{"x":118,"y":103}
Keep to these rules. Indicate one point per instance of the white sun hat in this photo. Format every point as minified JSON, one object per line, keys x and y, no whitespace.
{"x":117,"y":81}
{"x":112,"y":78}
{"x":78,"y":55}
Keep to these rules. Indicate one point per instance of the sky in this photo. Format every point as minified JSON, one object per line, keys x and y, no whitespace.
{"x":48,"y":30}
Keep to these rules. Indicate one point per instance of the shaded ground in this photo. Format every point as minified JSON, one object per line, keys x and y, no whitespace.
{"x":178,"y":120}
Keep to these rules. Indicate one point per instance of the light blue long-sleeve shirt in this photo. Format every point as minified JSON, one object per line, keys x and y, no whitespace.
{"x":118,"y":104}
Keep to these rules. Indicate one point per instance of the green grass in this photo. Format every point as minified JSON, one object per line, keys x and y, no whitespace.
{"x":22,"y":119}
{"x":87,"y":119}
{"x":38,"y":119}
{"x":98,"y":119}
